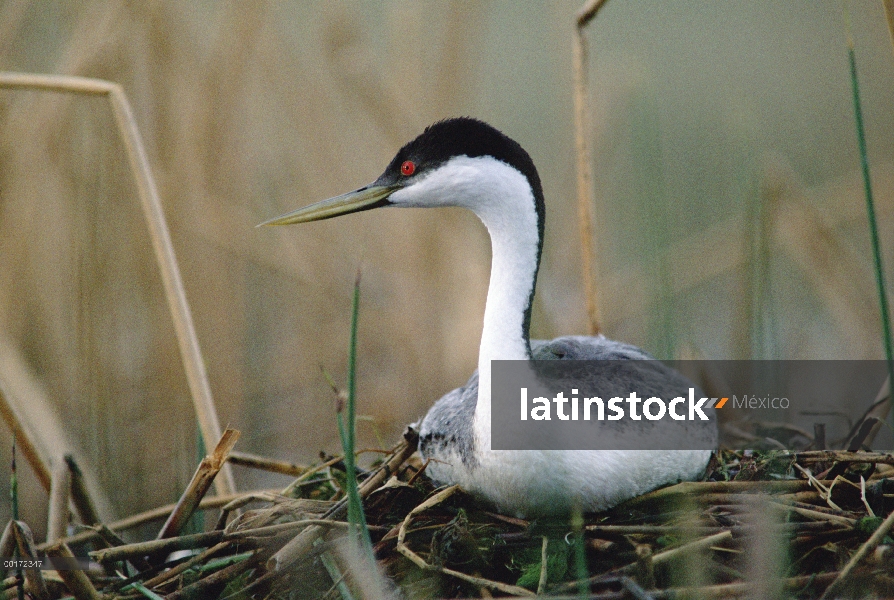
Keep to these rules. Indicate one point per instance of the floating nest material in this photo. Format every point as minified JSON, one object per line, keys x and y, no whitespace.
{"x":764,"y":525}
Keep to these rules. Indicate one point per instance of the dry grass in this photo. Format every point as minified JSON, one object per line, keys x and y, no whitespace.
{"x":754,"y":529}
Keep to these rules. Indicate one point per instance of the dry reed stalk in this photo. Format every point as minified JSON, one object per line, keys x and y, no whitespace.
{"x":823,"y":456}
{"x":178,"y":305}
{"x":34,"y":581}
{"x":816,"y":515}
{"x":75,"y":580}
{"x":584,"y":154}
{"x":60,"y":492}
{"x":156,"y":514}
{"x":544,"y":556}
{"x":889,"y":18}
{"x":868,"y":546}
{"x":198,"y":540}
{"x":7,"y":542}
{"x":681,"y":551}
{"x":113,"y":540}
{"x":420,"y":562}
{"x":266,"y":464}
{"x":303,"y":542}
{"x":201,"y":482}
{"x":176,"y":570}
{"x":698,"y":488}
{"x":80,"y":495}
{"x":24,"y":444}
{"x":735,"y":590}
{"x":200,"y":588}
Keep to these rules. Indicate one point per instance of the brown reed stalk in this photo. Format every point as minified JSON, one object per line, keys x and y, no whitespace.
{"x":204,"y":476}
{"x":60,"y":492}
{"x":584,"y":152}
{"x":149,"y":516}
{"x":80,"y":495}
{"x":75,"y":580}
{"x":191,"y":354}
{"x":302,"y":543}
{"x":34,"y":581}
{"x":266,"y":464}
{"x":24,"y":443}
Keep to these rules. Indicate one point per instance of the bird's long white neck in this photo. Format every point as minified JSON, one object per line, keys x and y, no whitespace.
{"x":514,"y":244}
{"x":504,"y":201}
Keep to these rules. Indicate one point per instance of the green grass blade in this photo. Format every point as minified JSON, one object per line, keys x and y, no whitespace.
{"x":14,"y":483}
{"x":870,"y":203}
{"x":347,"y":431}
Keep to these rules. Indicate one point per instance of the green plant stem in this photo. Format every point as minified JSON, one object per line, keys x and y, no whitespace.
{"x":870,"y":204}
{"x":347,"y":430}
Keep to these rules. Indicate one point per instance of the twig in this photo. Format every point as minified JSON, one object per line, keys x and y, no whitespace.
{"x":186,"y":565}
{"x":198,"y":540}
{"x":201,"y":482}
{"x":874,"y":540}
{"x":420,"y":562}
{"x":266,"y":464}
{"x":75,"y":580}
{"x":114,"y":540}
{"x":656,"y":559}
{"x":734,"y":590}
{"x":822,"y":456}
{"x":303,"y":542}
{"x":155,"y":514}
{"x":200,"y":588}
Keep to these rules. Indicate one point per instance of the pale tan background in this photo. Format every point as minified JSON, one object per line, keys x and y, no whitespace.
{"x":730,"y":218}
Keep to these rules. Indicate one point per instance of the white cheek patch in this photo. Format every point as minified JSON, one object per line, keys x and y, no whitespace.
{"x":481,"y":184}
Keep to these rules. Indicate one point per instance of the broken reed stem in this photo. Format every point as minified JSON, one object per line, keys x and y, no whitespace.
{"x":200,"y":589}
{"x":57,"y":518}
{"x":156,"y":514}
{"x":303,"y":542}
{"x":23,"y":442}
{"x":657,"y":559}
{"x":75,"y":580}
{"x":871,"y":544}
{"x":823,"y":456}
{"x":266,"y":464}
{"x":176,"y":570}
{"x":80,"y":495}
{"x":199,"y":540}
{"x":420,"y":562}
{"x":701,"y":488}
{"x":201,"y":481}
{"x":584,"y":155}
{"x":34,"y":581}
{"x":191,"y":354}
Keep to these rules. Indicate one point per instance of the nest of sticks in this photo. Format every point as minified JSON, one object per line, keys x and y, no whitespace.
{"x":762,"y":524}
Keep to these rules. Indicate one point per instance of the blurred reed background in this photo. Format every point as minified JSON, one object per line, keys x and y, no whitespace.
{"x":729,"y":211}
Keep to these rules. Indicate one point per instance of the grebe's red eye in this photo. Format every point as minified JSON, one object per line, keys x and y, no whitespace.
{"x":408,"y":168}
